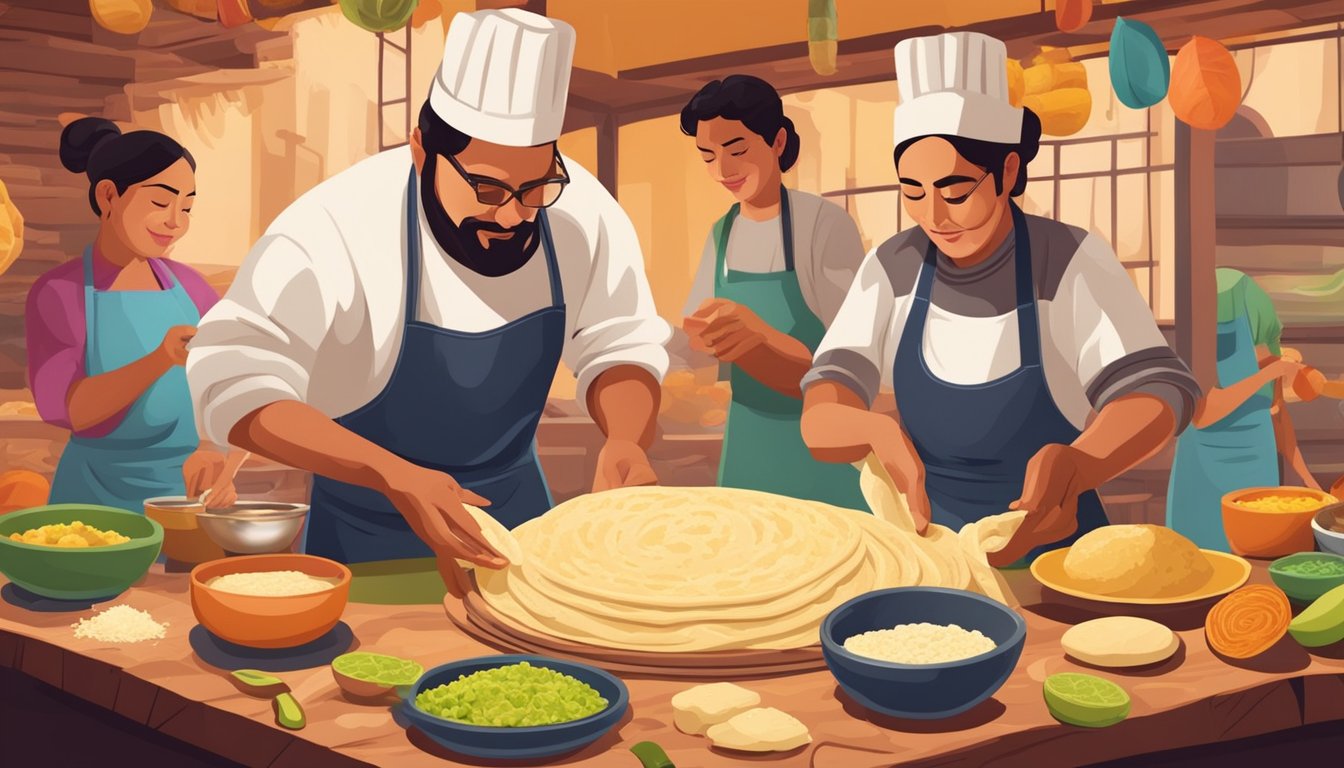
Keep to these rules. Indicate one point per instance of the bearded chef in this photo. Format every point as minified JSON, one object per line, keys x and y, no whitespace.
{"x":397,"y":329}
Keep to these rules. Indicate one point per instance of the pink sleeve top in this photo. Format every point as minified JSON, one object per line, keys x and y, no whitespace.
{"x":55,"y":329}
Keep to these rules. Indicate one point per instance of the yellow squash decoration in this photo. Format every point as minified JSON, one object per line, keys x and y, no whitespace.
{"x":125,"y":17}
{"x":822,"y":36}
{"x":1063,"y":112}
{"x":1017,"y":85}
{"x":1044,"y":78}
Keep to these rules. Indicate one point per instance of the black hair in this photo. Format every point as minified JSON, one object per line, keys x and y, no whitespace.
{"x":991,"y":155}
{"x":750,"y":100}
{"x":437,"y":136}
{"x":97,"y":148}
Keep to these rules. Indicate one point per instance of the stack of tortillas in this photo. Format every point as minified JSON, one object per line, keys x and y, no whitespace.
{"x":679,"y":570}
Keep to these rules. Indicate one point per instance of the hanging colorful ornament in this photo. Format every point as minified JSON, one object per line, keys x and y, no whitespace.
{"x":125,"y":17}
{"x":1044,"y":78}
{"x":11,"y":230}
{"x":425,"y":12}
{"x":1205,"y":84}
{"x":1063,"y":112}
{"x":823,"y":34}
{"x":1072,"y":15}
{"x":1140,"y":71}
{"x":379,"y":15}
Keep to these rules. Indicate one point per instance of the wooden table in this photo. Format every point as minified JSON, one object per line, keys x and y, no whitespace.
{"x":1195,"y":699}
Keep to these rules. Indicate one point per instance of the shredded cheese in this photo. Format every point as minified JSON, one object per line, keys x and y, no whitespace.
{"x":120,"y":624}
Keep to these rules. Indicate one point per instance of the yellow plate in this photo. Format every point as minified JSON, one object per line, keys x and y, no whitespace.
{"x":1229,"y":572}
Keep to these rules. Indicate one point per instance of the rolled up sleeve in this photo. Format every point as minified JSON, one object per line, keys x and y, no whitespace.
{"x":617,"y":322}
{"x":1117,"y":348}
{"x":259,"y":344}
{"x":855,"y":350}
{"x":54,"y":330}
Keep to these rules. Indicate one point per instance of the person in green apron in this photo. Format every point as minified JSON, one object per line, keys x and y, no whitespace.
{"x":1240,"y":426}
{"x":774,"y":272}
{"x":107,"y":333}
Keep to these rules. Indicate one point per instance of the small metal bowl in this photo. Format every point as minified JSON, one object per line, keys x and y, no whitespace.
{"x":254,"y":527}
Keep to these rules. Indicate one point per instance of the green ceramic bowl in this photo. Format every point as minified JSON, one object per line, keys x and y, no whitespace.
{"x":1305,"y":587}
{"x":78,"y":574}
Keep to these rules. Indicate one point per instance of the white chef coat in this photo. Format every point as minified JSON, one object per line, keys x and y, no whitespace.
{"x":316,"y":311}
{"x":1099,"y":340}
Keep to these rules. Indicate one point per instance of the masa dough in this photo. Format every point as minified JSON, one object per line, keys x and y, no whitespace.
{"x":1120,"y":641}
{"x":695,"y":710}
{"x":761,"y":730}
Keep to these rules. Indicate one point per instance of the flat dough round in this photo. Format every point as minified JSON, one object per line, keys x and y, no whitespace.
{"x":1120,"y":641}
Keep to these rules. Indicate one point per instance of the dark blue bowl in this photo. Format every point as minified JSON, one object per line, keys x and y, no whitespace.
{"x":531,"y":743}
{"x":922,"y":691}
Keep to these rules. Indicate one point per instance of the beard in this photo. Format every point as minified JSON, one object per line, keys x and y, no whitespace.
{"x":462,"y":242}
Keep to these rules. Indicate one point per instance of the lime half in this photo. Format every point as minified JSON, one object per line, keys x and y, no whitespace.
{"x":1085,"y":700}
{"x":377,"y":668}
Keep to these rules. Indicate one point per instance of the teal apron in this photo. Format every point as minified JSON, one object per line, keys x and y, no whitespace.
{"x":141,"y":458}
{"x":763,"y":447}
{"x":1237,"y":452}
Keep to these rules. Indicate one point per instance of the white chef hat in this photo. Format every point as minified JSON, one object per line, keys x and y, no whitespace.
{"x":955,"y":84}
{"x":505,"y":76}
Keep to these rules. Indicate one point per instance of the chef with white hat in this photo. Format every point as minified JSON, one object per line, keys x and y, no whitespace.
{"x":397,"y":329}
{"x":1028,"y":369}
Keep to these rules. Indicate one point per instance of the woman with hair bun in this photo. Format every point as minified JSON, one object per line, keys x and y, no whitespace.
{"x":107,"y":333}
{"x":773,"y":273}
{"x":1027,"y":367}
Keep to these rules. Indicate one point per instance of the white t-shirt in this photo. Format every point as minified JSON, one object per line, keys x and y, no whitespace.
{"x":316,"y":311}
{"x":1099,"y":340}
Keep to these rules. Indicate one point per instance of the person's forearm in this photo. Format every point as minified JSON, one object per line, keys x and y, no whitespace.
{"x":1217,"y":403}
{"x":836,"y":426}
{"x":1125,"y":433}
{"x":624,"y":400}
{"x":780,"y":363}
{"x":300,"y":436}
{"x":96,"y":399}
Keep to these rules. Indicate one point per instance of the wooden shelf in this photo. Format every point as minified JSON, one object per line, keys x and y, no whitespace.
{"x":1281,"y":230}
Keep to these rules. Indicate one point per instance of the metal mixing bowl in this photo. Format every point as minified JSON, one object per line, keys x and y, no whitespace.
{"x":254,"y":527}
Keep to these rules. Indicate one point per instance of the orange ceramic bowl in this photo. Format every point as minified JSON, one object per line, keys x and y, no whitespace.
{"x":266,"y":621}
{"x":1254,"y":529}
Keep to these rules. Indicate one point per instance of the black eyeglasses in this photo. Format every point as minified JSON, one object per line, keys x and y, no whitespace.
{"x":541,"y":193}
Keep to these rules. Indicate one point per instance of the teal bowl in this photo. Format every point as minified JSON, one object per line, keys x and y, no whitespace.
{"x":88,"y":573}
{"x":1306,"y":587}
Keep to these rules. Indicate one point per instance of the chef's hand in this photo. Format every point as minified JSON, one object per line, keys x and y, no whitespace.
{"x":432,"y":503}
{"x":1056,"y":476}
{"x":621,"y":464}
{"x":205,"y":469}
{"x":173,"y":348}
{"x":1286,"y":370}
{"x":725,"y":329}
{"x":898,"y":456}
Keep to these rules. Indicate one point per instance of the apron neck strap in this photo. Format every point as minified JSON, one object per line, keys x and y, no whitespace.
{"x":88,"y":266}
{"x":725,"y":226}
{"x":413,"y":252}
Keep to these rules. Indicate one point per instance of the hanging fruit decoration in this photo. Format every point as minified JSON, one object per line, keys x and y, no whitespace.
{"x":1055,"y":88}
{"x":1205,"y":84}
{"x":425,"y":12}
{"x":125,"y":17}
{"x":823,"y":34}
{"x":11,"y":230}
{"x":1140,"y":71}
{"x":379,"y":15}
{"x":1072,"y":15}
{"x":1017,"y":84}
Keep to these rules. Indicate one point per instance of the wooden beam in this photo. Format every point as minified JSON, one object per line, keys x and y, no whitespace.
{"x":1196,"y":246}
{"x":608,"y":149}
{"x":535,"y":6}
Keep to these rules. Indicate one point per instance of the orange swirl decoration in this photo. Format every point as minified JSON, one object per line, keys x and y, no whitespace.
{"x":1248,"y":622}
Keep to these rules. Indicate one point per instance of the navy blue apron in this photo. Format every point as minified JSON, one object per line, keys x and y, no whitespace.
{"x":976,"y":440}
{"x":467,"y":404}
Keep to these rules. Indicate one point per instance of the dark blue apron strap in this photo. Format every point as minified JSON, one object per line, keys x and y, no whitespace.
{"x":1028,"y":324}
{"x":919,"y":310}
{"x":552,"y":262}
{"x":786,"y":228}
{"x":412,"y":249}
